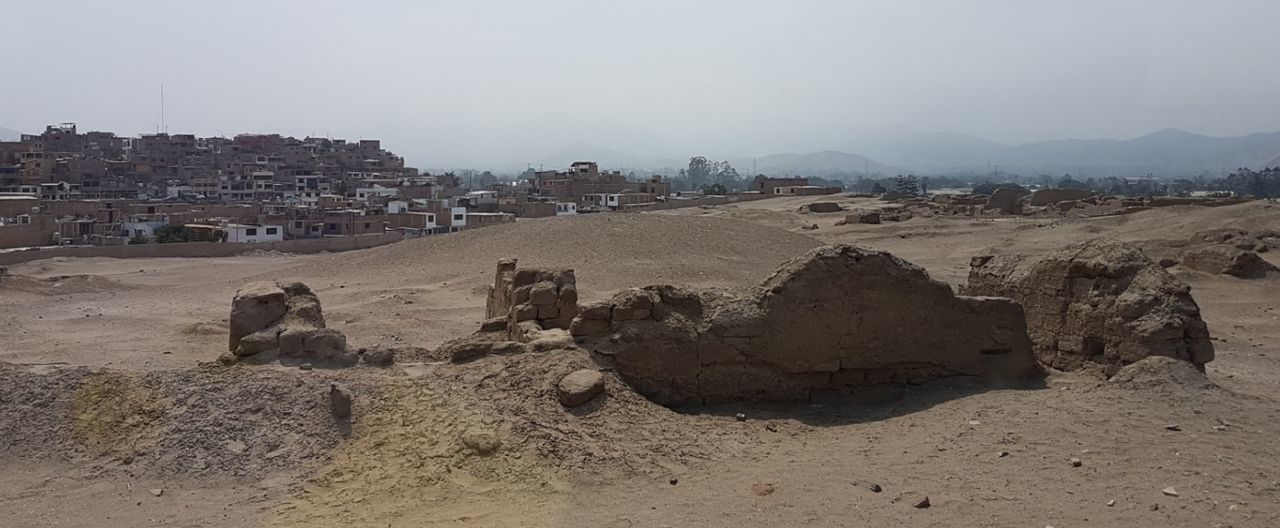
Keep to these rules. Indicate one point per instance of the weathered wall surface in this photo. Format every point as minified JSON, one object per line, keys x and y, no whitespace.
{"x":1099,"y":303}
{"x":836,"y":319}
{"x":205,"y":249}
{"x":546,"y":298}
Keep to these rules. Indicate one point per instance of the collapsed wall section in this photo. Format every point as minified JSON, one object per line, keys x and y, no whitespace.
{"x":835,"y":319}
{"x":1099,"y":303}
{"x":545,"y":297}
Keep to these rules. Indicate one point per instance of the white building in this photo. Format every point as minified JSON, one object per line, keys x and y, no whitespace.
{"x":365,"y":193}
{"x":566,"y":208}
{"x":398,"y":206}
{"x":144,"y":226}
{"x":253,"y":233}
{"x":458,"y":222}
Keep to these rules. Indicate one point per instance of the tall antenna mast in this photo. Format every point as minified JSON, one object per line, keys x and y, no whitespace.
{"x":163,"y":126}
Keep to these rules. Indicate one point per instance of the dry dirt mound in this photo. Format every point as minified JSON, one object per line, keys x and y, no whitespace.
{"x":1158,"y":372}
{"x":497,"y":423}
{"x":58,"y":285}
{"x":609,"y":251}
{"x":208,"y":423}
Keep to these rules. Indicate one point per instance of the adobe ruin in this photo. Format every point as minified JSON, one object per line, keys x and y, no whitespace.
{"x":273,"y":320}
{"x":832,"y":321}
{"x":1097,"y":304}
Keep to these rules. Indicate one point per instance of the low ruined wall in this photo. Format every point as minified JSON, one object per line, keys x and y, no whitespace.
{"x":837,"y":319}
{"x":205,"y":249}
{"x":1097,"y":304}
{"x":698,"y":202}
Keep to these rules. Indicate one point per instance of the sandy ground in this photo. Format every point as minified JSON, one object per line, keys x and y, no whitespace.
{"x":943,"y":441}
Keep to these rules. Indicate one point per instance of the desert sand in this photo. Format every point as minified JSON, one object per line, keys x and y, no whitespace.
{"x":113,"y":411}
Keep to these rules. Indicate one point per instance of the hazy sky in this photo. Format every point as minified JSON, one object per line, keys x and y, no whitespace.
{"x":475,"y":82}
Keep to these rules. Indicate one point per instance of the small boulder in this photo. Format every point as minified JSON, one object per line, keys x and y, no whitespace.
{"x":579,"y":387}
{"x":340,"y":401}
{"x":378,"y":357}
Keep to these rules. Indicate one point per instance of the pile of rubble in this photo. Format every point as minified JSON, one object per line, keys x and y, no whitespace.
{"x":273,"y":321}
{"x":1232,"y":252}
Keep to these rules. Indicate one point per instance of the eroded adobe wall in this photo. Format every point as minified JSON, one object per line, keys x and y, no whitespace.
{"x":838,"y":318}
{"x":1097,"y":304}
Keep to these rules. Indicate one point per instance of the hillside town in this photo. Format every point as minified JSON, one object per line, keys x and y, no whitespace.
{"x":65,"y":187}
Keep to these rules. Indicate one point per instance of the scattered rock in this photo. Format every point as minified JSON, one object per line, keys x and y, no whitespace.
{"x":481,"y":442}
{"x":1173,"y":427}
{"x":1170,"y":491}
{"x":922,"y":503}
{"x":378,"y":357}
{"x":875,"y":488}
{"x":761,"y":489}
{"x":1002,"y":454}
{"x":156,"y":491}
{"x":674,"y":481}
{"x":339,"y":401}
{"x":579,"y":387}
{"x":740,"y":417}
{"x":1111,"y":503}
{"x":1075,"y":462}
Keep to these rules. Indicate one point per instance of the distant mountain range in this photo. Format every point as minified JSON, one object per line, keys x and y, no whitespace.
{"x":608,"y":159}
{"x":1164,"y":153}
{"x":9,"y":135}
{"x":825,"y":163}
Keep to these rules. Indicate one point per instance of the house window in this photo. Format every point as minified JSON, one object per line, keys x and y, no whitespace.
{"x":315,"y":229}
{"x":457,"y":218}
{"x":297,"y":225}
{"x":366,"y":225}
{"x":251,"y":232}
{"x":333,"y":227}
{"x":272,"y":231}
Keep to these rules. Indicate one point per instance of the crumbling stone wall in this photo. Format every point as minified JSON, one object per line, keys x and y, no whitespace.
{"x":834,"y":320}
{"x":1100,"y":303}
{"x":499,"y":303}
{"x":1007,"y":200}
{"x":547,"y":298}
{"x":271,"y":320}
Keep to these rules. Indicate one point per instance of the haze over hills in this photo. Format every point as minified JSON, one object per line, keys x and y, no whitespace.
{"x":9,"y":134}
{"x":1167,"y":152}
{"x":825,"y":163}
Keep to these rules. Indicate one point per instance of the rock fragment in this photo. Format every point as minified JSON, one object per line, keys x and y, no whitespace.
{"x":579,"y":387}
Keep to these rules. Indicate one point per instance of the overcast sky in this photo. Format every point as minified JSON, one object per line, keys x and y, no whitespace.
{"x":474,"y":82}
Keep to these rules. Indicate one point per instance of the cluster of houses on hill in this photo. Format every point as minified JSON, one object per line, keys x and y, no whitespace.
{"x":65,"y":187}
